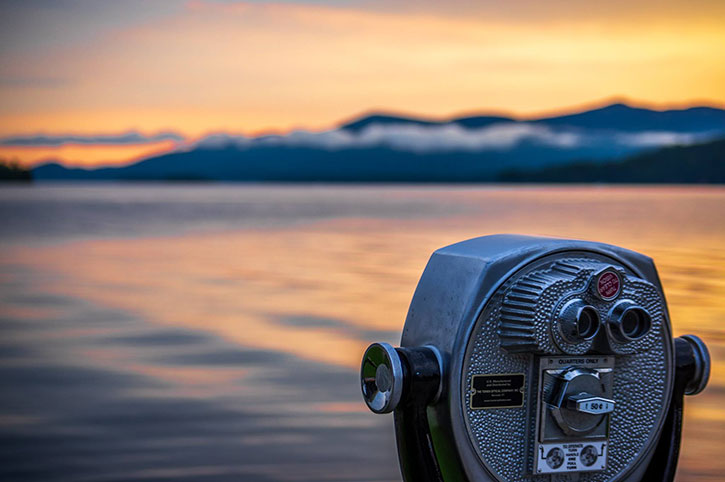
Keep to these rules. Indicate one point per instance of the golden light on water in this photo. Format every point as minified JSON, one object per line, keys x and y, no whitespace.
{"x":363,"y":271}
{"x":321,"y":291}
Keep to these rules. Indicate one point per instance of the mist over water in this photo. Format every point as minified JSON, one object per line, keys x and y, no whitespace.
{"x":214,"y":332}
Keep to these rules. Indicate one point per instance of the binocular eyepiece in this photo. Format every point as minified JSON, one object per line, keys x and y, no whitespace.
{"x":578,"y":321}
{"x":536,"y":359}
{"x":629,"y":322}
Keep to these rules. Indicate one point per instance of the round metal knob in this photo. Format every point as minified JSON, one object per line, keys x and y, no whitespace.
{"x":580,"y":404}
{"x":381,"y":378}
{"x":701,"y":357}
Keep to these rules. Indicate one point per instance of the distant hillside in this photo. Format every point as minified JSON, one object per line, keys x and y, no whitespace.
{"x":619,"y":117}
{"x":391,"y":148}
{"x":12,"y":171}
{"x":288,"y":164}
{"x":384,"y":119}
{"x":701,"y":163}
{"x":381,"y":119}
{"x":622,"y":117}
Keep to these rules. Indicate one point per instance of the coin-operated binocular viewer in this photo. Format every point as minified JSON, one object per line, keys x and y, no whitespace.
{"x":534,"y":359}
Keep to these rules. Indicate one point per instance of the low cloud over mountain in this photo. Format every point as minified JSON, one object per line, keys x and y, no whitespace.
{"x":452,"y":137}
{"x":126,"y":138}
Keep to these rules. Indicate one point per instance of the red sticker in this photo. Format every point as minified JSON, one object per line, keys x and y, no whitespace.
{"x":608,"y":285}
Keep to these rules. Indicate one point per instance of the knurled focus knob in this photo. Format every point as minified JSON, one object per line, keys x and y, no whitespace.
{"x":381,"y":378}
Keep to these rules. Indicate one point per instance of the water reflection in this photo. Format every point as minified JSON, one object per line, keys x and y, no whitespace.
{"x":219,"y":337}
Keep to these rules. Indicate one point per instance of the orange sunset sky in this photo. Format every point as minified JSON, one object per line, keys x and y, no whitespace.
{"x":194,"y":67}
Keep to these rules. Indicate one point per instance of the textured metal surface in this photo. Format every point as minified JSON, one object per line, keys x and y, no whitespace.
{"x":502,"y":437}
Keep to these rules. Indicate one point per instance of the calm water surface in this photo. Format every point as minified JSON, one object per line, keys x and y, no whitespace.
{"x":171,"y":332}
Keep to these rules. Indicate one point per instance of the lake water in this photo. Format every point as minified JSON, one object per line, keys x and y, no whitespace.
{"x":214,"y":332}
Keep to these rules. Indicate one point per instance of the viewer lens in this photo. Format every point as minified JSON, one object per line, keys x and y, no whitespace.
{"x":635,"y":323}
{"x":629,"y":322}
{"x":587,"y":322}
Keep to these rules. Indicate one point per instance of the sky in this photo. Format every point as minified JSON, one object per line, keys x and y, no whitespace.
{"x":193,"y":67}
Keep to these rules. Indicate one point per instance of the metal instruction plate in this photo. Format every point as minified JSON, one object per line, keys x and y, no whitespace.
{"x":571,"y":457}
{"x":500,"y":390}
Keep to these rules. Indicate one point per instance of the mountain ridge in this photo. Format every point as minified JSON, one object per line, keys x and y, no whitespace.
{"x":609,"y":116}
{"x":392,"y":148}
